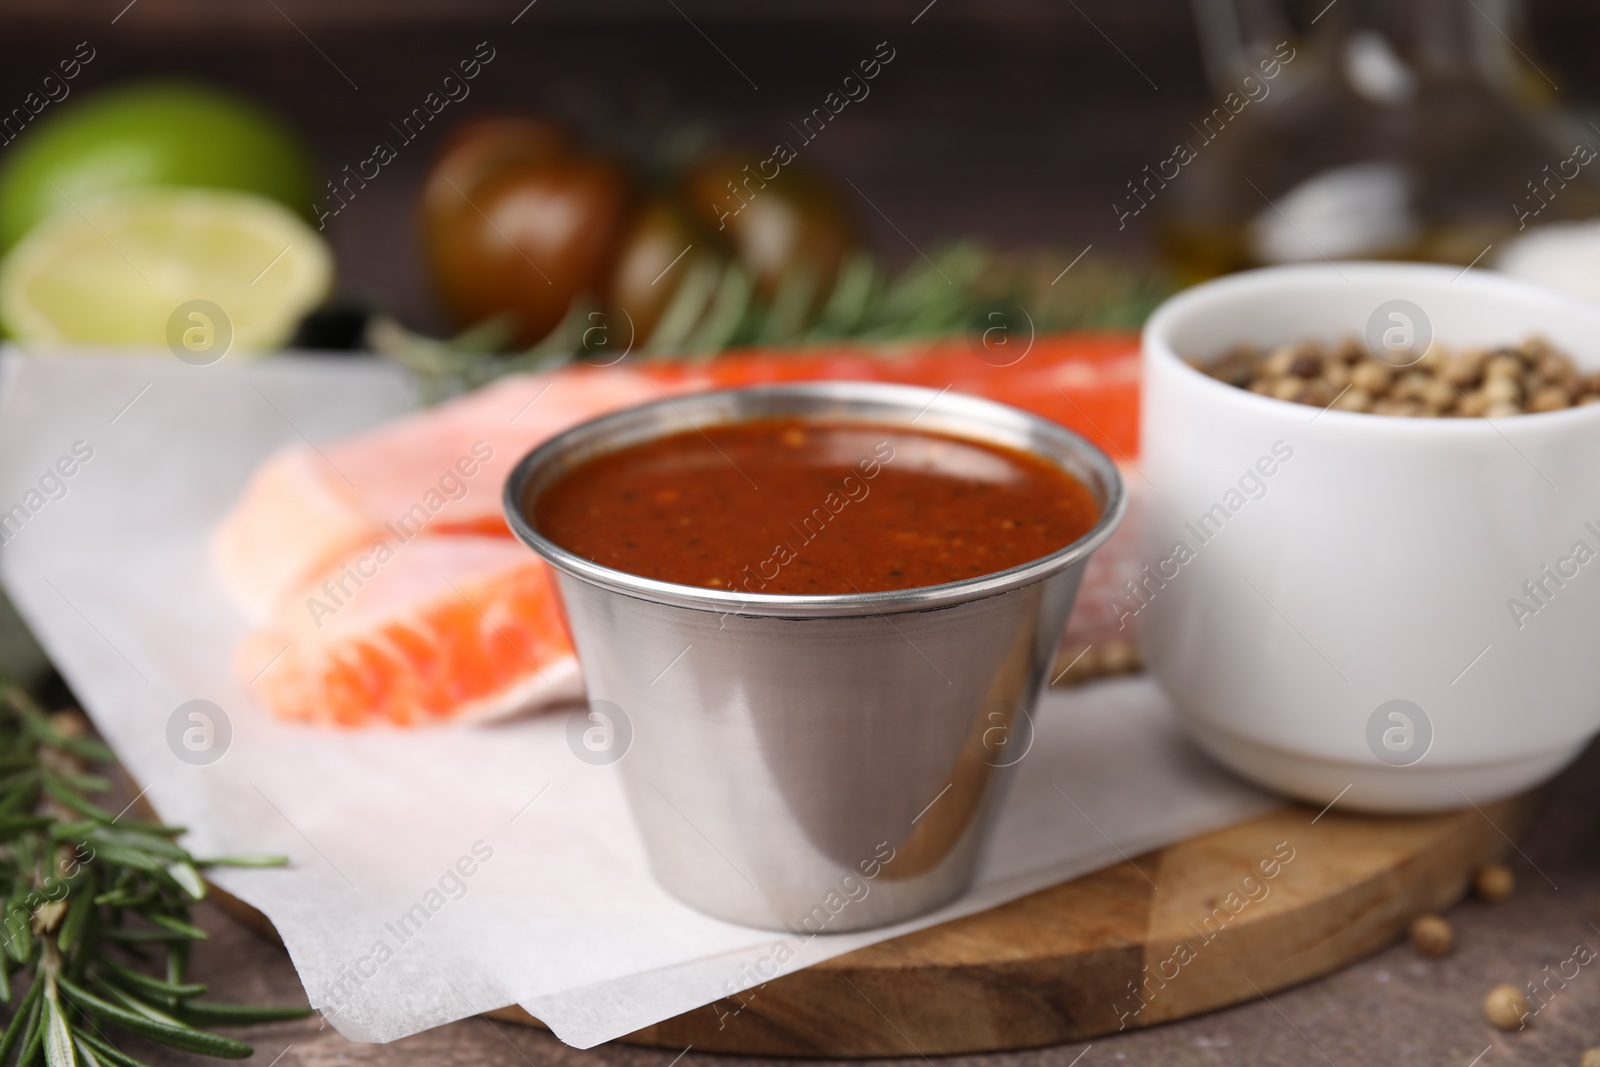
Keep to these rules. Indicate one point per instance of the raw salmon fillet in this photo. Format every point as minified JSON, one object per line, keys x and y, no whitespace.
{"x":294,"y":521}
{"x":1088,"y":382}
{"x":449,"y":627}
{"x":407,"y":647}
{"x":438,"y":471}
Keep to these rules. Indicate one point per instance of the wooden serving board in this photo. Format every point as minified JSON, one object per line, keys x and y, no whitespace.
{"x":1061,"y":964}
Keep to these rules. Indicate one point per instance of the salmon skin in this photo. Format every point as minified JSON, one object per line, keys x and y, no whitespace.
{"x":383,"y":583}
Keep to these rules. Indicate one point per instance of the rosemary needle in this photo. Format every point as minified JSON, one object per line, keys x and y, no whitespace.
{"x":78,"y":891}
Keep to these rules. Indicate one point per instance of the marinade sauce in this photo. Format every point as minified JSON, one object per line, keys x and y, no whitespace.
{"x":802,"y":507}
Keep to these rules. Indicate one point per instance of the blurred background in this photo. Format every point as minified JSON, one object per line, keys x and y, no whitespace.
{"x":1439,"y":129}
{"x":1016,"y":122}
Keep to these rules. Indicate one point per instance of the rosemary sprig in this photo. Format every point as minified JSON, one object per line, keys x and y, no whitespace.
{"x":963,"y":289}
{"x":81,"y":887}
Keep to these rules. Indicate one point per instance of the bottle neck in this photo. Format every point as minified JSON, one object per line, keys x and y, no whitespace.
{"x":1430,"y":40}
{"x":1437,"y":39}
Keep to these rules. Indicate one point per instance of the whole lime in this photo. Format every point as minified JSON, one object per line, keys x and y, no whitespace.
{"x":162,"y":133}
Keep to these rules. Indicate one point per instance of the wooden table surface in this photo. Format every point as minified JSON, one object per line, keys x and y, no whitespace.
{"x":1019,"y":129}
{"x":1393,"y":1008}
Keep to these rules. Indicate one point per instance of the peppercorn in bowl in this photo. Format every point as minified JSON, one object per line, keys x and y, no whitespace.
{"x":1343,"y":597}
{"x":1473,"y":381}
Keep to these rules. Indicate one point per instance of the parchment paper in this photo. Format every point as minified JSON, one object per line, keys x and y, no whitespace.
{"x":443,"y":872}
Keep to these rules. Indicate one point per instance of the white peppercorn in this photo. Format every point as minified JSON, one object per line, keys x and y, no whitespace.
{"x":1506,"y":1007}
{"x":1371,"y":376}
{"x":1432,"y":936}
{"x":1494,"y":882}
{"x":1531,"y":377}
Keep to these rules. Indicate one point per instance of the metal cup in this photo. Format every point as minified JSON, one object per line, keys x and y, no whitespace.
{"x":817,"y":763}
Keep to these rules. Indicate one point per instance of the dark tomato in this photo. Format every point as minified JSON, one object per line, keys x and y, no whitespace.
{"x":659,"y":246}
{"x":518,"y":224}
{"x":475,"y":149}
{"x":791,"y":221}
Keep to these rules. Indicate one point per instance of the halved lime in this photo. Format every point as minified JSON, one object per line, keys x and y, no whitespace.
{"x":135,"y":268}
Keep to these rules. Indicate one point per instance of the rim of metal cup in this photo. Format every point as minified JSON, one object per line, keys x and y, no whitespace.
{"x":954,"y":414}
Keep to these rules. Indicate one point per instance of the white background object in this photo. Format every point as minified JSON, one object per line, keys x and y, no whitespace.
{"x":1564,"y":256}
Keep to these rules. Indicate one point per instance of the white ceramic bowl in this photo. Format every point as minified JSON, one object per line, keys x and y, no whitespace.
{"x":1352,"y":561}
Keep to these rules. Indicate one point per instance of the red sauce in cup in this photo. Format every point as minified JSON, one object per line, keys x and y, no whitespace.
{"x":801,"y":507}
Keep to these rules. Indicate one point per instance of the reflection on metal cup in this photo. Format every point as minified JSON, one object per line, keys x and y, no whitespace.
{"x":818,"y":763}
